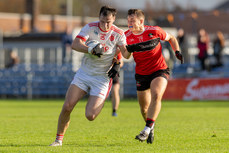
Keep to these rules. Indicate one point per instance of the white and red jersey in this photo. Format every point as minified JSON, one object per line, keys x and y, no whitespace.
{"x":109,"y":39}
{"x":148,"y":62}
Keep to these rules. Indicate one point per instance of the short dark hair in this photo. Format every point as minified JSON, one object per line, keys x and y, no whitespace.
{"x":106,"y":10}
{"x":139,"y":13}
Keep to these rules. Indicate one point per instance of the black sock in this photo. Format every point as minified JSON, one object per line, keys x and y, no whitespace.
{"x":149,"y":122}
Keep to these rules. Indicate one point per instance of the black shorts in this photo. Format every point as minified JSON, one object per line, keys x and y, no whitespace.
{"x":143,"y":81}
{"x":115,"y":79}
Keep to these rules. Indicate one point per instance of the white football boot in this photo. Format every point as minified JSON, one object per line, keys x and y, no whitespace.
{"x":142,"y":136}
{"x":56,"y":143}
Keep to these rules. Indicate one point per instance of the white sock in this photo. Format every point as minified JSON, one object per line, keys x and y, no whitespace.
{"x":59,"y":138}
{"x":152,"y":126}
{"x":147,"y":129}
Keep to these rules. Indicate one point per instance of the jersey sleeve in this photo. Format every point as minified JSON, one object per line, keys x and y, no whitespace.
{"x":122,"y":40}
{"x":161,"y":33}
{"x":84,"y":33}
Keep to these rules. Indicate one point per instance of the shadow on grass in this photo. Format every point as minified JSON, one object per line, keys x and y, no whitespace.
{"x":67,"y":144}
{"x":22,"y":145}
{"x":104,"y":144}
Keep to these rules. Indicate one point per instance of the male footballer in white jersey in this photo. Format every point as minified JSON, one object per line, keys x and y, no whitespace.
{"x":97,"y":69}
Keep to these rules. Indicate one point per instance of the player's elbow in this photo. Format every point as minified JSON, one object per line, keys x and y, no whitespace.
{"x":127,"y":55}
{"x":74,"y":46}
{"x":172,"y":38}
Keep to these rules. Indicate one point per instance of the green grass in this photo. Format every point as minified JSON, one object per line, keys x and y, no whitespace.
{"x":30,"y":126}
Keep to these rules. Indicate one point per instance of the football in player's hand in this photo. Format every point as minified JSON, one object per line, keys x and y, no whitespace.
{"x":92,"y":43}
{"x":95,"y":48}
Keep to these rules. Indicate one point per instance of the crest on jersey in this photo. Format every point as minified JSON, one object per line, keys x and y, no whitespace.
{"x":112,"y":38}
{"x":150,"y":35}
{"x":131,"y":40}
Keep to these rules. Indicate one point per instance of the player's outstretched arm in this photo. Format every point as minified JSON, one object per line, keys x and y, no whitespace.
{"x":124,"y":52}
{"x":175,"y":46}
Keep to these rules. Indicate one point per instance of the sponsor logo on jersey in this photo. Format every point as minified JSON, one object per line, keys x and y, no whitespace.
{"x":106,"y":48}
{"x":150,"y":44}
{"x":102,"y":36}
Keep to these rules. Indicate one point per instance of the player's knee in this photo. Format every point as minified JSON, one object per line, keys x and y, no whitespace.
{"x":67,"y":107}
{"x":90,"y":116}
{"x":156,"y":98}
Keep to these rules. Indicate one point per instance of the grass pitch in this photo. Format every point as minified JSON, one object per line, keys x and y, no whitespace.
{"x":30,"y":126}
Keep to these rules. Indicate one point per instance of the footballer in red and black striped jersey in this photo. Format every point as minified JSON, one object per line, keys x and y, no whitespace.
{"x":152,"y":73}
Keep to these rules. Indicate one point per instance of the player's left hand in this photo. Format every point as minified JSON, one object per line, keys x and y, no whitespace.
{"x":98,"y":50}
{"x":114,"y":70}
{"x":179,"y":56}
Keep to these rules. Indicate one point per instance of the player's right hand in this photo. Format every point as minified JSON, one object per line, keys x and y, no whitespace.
{"x":98,"y":50}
